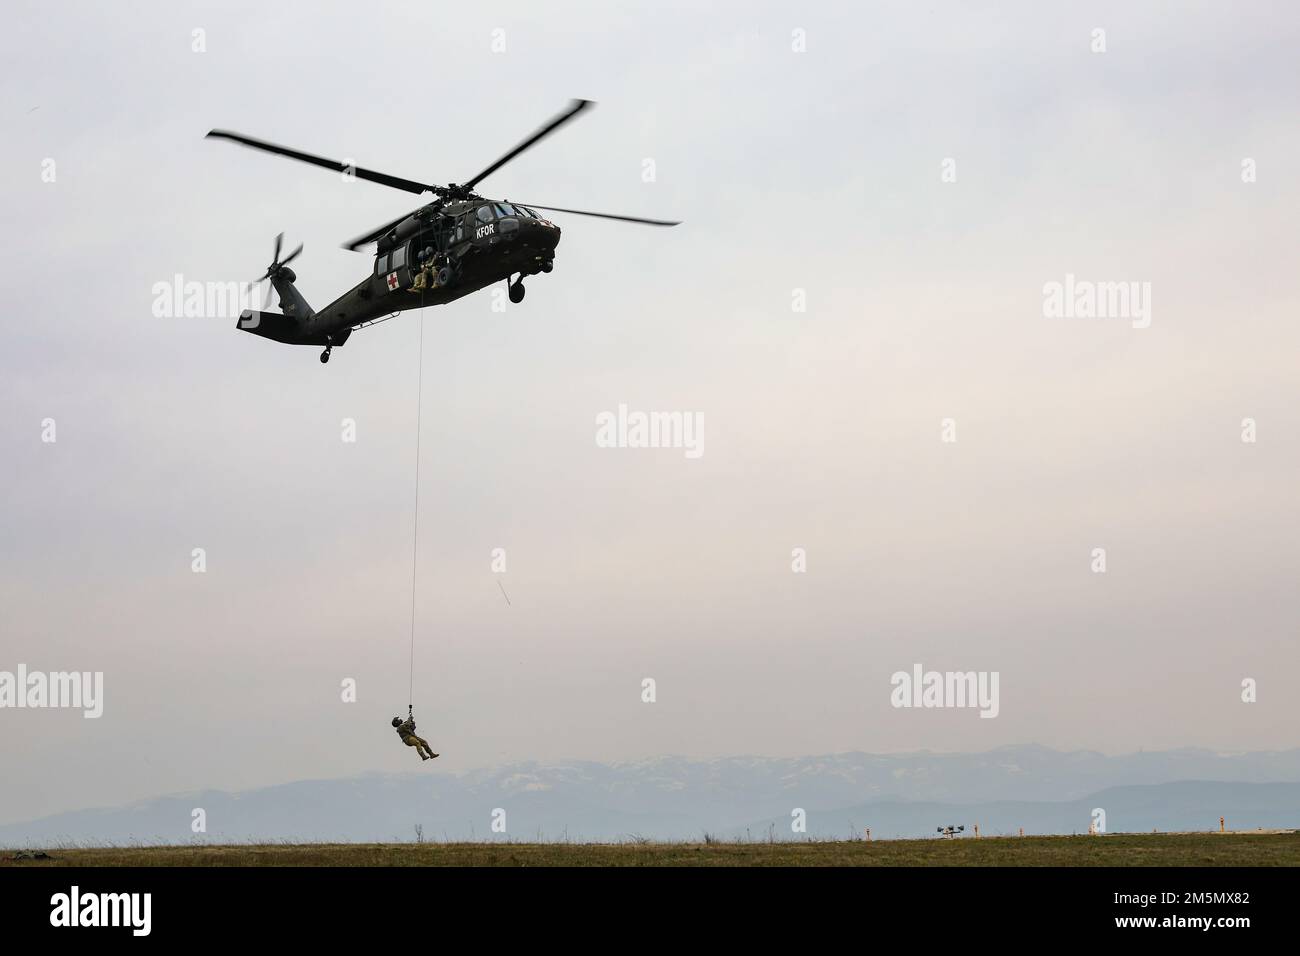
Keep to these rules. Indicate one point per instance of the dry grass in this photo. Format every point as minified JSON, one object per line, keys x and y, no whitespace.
{"x":1179,"y":849}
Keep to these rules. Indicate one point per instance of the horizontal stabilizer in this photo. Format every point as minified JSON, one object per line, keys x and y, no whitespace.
{"x":286,"y":329}
{"x":271,"y":325}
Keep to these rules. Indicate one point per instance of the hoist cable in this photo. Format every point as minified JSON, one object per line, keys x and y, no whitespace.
{"x":415,"y":535}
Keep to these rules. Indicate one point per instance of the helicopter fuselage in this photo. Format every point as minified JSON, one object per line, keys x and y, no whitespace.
{"x":429,"y":258}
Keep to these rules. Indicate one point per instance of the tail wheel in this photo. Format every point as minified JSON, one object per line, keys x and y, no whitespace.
{"x":517,"y":292}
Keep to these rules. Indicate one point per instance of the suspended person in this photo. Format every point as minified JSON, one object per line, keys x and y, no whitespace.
{"x":406,"y":730}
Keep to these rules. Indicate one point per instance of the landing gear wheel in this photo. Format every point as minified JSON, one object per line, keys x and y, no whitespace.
{"x":325,"y":356}
{"x":445,"y":276}
{"x":548,"y":265}
{"x":517,"y":292}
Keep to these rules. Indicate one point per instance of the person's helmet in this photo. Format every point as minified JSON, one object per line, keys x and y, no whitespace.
{"x":397,"y":721}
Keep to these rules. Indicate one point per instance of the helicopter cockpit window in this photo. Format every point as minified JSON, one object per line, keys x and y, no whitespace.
{"x":399,"y":257}
{"x":381,"y":265}
{"x":505,"y":209}
{"x":485,"y":213}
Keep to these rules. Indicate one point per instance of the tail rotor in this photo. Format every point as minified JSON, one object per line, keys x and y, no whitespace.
{"x":278,"y":264}
{"x":278,"y":267}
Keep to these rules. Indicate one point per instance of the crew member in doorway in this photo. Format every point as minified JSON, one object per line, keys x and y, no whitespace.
{"x":426,"y":279}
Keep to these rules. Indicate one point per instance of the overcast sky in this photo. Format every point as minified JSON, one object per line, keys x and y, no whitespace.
{"x":819,"y":171}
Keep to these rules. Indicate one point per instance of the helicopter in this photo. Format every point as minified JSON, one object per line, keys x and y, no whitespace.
{"x":457,"y":243}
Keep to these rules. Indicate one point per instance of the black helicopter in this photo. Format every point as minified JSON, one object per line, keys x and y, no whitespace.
{"x":448,"y":248}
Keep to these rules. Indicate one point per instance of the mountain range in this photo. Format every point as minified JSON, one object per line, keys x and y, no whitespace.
{"x":896,"y":795}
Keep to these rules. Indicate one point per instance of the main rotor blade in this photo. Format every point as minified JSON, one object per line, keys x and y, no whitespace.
{"x":384,"y":179}
{"x":575,"y":107}
{"x":375,"y":234}
{"x":606,"y":215}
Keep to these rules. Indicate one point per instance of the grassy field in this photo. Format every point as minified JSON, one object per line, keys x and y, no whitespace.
{"x":1175,"y":849}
